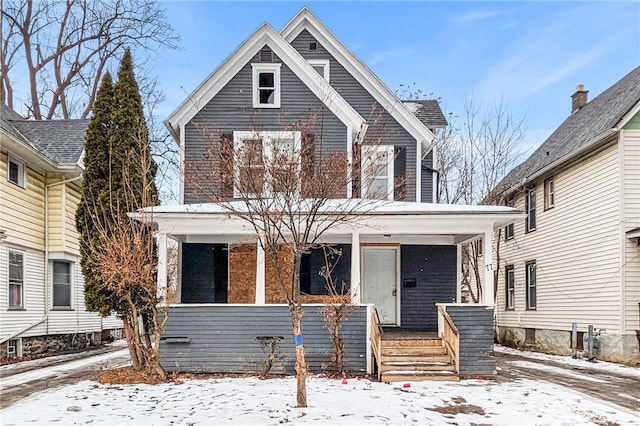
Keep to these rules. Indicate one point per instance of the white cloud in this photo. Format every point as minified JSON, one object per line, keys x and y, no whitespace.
{"x":474,"y":16}
{"x":386,"y":54}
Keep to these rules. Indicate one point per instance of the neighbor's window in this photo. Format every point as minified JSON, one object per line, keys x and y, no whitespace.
{"x":508,"y":230}
{"x":318,"y":263}
{"x":16,"y":279}
{"x":321,"y":66}
{"x":530,"y":197}
{"x":266,"y":85}
{"x":377,"y":172}
{"x":531,"y":284}
{"x":15,"y":172}
{"x":509,"y":287}
{"x":61,"y":284}
{"x":266,"y":163}
{"x":549,"y":193}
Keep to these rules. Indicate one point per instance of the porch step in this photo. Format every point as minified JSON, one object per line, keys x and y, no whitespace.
{"x":413,"y":351}
{"x":420,"y":358}
{"x":403,"y":342}
{"x":418,"y":376}
{"x":417,"y":366}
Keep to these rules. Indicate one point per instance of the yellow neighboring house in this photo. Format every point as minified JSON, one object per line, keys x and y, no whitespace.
{"x":42,"y":305}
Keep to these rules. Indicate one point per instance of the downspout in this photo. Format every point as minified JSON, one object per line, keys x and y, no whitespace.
{"x":46,"y":244}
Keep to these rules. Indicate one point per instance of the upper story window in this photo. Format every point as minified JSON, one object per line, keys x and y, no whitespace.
{"x":15,"y":172}
{"x":266,"y":85}
{"x":266,"y":163}
{"x":321,"y":66}
{"x":16,"y":279}
{"x":377,"y":172}
{"x":508,"y":230}
{"x":530,"y":207}
{"x":549,"y":193}
{"x":61,"y":284}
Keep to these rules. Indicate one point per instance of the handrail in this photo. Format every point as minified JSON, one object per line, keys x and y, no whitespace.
{"x":450,"y":336}
{"x":376,"y":338}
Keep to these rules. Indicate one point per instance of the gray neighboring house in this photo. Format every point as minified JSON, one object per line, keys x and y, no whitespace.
{"x":401,"y":260}
{"x":42,"y":300}
{"x":576,"y":257}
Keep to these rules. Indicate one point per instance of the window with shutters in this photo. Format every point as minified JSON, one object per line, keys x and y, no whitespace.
{"x":377,"y":174}
{"x":266,"y":163}
{"x":266,"y":85}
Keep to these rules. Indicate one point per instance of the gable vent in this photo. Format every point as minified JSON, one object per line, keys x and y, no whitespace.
{"x":266,"y":55}
{"x":313,"y":46}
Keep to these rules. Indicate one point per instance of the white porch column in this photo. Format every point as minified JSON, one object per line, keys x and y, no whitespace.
{"x":488,"y":293}
{"x":355,"y":267}
{"x":161,"y":290}
{"x":260,"y":276}
{"x":458,"y":273}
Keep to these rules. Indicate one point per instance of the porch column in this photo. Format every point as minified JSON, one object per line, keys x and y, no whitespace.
{"x":260,"y":275}
{"x":161,"y":290}
{"x":458,"y":273}
{"x":355,"y":267}
{"x":488,"y":294}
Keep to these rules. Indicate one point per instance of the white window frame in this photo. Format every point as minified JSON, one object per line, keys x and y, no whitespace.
{"x":267,"y":138}
{"x":376,"y":151}
{"x":17,"y":348}
{"x":531,"y":281}
{"x":22,"y":178}
{"x":264,"y":67}
{"x":325,"y":66}
{"x":53,"y":284}
{"x":531,"y":209}
{"x":549,"y":193}
{"x":9,"y":280}
{"x":509,"y":287}
{"x":509,"y":230}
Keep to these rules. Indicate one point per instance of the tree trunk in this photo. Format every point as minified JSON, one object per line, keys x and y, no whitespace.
{"x":301,"y":363}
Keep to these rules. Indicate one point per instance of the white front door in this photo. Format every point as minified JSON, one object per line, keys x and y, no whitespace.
{"x":380,"y":286}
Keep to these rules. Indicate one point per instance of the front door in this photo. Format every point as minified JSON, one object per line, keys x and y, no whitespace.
{"x":380,"y":286}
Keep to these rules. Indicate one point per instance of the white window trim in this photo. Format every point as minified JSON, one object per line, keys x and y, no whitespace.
{"x":18,"y":347}
{"x":71,"y":280}
{"x":22,"y":177}
{"x":510,"y":291}
{"x":376,"y":150}
{"x":22,"y":292}
{"x":267,"y":153}
{"x":325,"y":65}
{"x":256,"y":70}
{"x":531,"y":207}
{"x":528,"y":285}
{"x":549,"y":193}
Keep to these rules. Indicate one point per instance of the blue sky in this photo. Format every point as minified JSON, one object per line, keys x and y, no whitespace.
{"x":531,"y":54}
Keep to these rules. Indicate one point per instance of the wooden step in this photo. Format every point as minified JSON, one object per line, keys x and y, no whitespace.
{"x":412,"y":351}
{"x":416,"y":366}
{"x":417,"y":376}
{"x":444,"y":357}
{"x":395,"y":342}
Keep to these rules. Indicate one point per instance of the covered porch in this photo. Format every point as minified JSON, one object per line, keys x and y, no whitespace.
{"x":398,"y":260}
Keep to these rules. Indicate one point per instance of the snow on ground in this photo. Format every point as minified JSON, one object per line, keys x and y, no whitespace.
{"x":604,"y":366}
{"x":241,"y":401}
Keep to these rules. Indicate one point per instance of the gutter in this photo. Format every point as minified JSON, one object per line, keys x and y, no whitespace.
{"x":565,"y":159}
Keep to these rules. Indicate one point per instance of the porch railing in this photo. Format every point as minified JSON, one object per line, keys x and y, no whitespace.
{"x":376,"y":338}
{"x":450,"y":335}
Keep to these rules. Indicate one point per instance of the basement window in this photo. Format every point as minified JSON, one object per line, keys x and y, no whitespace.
{"x":266,"y":85}
{"x":13,"y":348}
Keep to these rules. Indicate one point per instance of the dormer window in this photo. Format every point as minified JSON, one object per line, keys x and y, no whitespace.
{"x":266,"y":85}
{"x":321,"y":66}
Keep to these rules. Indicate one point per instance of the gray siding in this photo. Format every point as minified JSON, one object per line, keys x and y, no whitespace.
{"x":232,"y":110}
{"x":222,"y":339}
{"x":382,"y":126}
{"x":475,"y":325}
{"x":426,"y":189}
{"x":434,"y":270}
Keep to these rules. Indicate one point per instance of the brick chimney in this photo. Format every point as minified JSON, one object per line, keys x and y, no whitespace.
{"x":578,"y":99}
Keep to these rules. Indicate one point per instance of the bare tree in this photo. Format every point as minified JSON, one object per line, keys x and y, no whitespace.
{"x":292,"y":190}
{"x":472,"y":156}
{"x":65,"y":47}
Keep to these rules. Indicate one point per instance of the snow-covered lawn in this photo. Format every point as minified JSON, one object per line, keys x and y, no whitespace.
{"x":244,"y":401}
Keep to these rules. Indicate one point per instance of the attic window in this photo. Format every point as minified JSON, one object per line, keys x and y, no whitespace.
{"x":321,"y":66}
{"x":313,"y":46}
{"x":15,"y":172}
{"x":266,"y":85}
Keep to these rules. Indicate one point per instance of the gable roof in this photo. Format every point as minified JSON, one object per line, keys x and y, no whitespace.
{"x":428,"y":111}
{"x":587,"y":127}
{"x":61,"y":142}
{"x":306,"y":20}
{"x":264,"y":35}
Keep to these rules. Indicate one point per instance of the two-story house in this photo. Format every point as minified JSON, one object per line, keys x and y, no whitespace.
{"x":400,"y":256}
{"x":42,"y":297}
{"x":576,"y":257}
